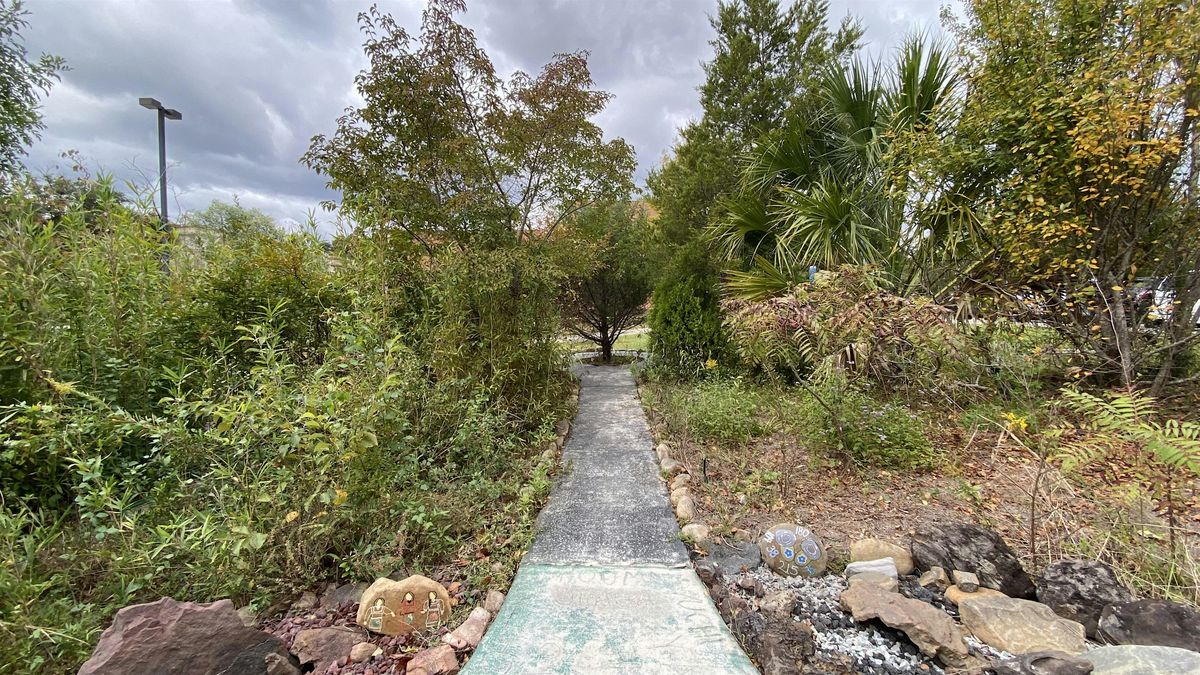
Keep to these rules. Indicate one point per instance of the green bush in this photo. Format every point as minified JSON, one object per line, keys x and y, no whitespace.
{"x":842,"y":420}
{"x":84,"y":297}
{"x":496,"y":323}
{"x":686,"y":337}
{"x":714,"y":410}
{"x":248,"y":275}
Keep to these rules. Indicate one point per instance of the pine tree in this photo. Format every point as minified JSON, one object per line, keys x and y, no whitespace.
{"x":765,"y":61}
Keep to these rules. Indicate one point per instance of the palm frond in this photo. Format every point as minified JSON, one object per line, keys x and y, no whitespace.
{"x":763,"y":280}
{"x":824,"y":225}
{"x":926,"y":78}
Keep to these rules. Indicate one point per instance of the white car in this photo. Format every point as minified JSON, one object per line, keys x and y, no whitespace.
{"x":1157,"y":295}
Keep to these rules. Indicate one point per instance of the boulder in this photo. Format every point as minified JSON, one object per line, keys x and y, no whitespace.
{"x":682,"y":480}
{"x":363,"y":651}
{"x":956,"y":595}
{"x":874,"y":549}
{"x":248,"y":616}
{"x":1019,"y":626}
{"x":696,"y":532}
{"x":936,"y":577}
{"x":439,"y":660}
{"x":306,"y":601}
{"x":686,"y":509}
{"x":663,"y":451}
{"x":779,"y":604}
{"x":1159,"y":623}
{"x":400,"y":607}
{"x":970,"y":548}
{"x":708,"y":571}
{"x":1079,"y":589}
{"x":883,"y":566}
{"x":965,"y":581}
{"x":168,"y":637}
{"x":323,"y":646}
{"x":1143,"y":660}
{"x":884,"y":581}
{"x":1043,"y":663}
{"x":470,"y":632}
{"x":336,"y":596}
{"x":679,"y":493}
{"x":731,"y":558}
{"x":670,"y":467}
{"x":494,"y":601}
{"x":792,"y":550}
{"x":772,"y":637}
{"x":929,"y":628}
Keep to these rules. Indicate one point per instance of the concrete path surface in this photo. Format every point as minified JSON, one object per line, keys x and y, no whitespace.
{"x":607,"y":586}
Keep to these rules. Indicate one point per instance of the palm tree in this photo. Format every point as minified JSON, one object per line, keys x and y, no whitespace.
{"x":837,"y":188}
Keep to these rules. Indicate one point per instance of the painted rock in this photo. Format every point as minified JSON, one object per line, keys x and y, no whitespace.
{"x":400,"y":607}
{"x":792,"y":550}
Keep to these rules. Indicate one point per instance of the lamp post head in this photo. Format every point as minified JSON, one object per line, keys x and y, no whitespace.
{"x":150,"y":103}
{"x":172,"y":114}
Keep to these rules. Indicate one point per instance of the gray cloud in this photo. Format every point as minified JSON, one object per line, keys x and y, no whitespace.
{"x":256,"y":79}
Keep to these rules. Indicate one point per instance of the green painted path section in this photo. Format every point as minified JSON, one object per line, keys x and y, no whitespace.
{"x":607,"y":586}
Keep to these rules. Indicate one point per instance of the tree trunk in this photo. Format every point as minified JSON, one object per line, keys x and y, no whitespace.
{"x":606,"y":347}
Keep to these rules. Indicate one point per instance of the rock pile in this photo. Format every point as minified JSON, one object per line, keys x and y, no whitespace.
{"x":680,"y":486}
{"x":881,"y":618}
{"x":333,"y":635}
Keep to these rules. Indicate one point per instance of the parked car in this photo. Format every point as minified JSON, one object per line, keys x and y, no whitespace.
{"x":1155,"y":297}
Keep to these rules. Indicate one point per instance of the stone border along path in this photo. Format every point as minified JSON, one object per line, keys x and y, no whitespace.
{"x":607,"y":586}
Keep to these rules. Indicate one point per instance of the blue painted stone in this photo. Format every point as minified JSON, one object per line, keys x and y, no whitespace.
{"x":792,"y":550}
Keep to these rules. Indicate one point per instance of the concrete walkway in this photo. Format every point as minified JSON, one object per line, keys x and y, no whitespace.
{"x":607,"y":586}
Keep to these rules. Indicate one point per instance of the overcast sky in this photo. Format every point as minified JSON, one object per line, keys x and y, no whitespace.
{"x":256,"y":79}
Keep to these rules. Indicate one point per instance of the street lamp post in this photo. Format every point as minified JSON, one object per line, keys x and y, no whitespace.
{"x":164,"y":114}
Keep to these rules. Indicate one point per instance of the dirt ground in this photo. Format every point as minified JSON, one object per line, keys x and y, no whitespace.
{"x":987,"y":479}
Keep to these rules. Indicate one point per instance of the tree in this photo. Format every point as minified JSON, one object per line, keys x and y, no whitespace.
{"x":233,"y":220}
{"x":686,"y":336}
{"x":1081,"y":122}
{"x":611,"y":297}
{"x":21,"y":80}
{"x":839,"y":184}
{"x":448,"y":152}
{"x":766,"y":60}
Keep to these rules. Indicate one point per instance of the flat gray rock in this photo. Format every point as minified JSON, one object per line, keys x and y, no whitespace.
{"x":731,"y":557}
{"x":1143,"y":660}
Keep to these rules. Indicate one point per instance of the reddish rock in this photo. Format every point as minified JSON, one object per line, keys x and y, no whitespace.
{"x":362,"y":651}
{"x":471,"y":631}
{"x":439,"y":660}
{"x":168,"y":637}
{"x":324,"y":646}
{"x":494,"y":601}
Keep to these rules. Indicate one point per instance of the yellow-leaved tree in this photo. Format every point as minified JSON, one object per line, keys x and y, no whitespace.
{"x":1080,"y":124}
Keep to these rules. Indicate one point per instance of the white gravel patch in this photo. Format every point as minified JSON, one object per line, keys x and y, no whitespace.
{"x":872,"y":648}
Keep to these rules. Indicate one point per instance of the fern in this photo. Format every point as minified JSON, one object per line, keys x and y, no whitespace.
{"x":1128,"y":418}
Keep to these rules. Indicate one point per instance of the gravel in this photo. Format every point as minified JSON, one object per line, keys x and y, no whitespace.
{"x":873,"y":647}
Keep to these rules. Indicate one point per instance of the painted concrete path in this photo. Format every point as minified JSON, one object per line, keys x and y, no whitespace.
{"x":606,"y":586}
